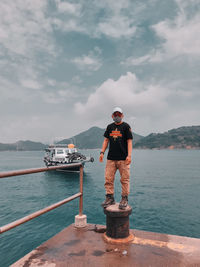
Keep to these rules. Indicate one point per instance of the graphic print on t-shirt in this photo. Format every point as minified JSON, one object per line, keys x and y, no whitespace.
{"x":115,"y":134}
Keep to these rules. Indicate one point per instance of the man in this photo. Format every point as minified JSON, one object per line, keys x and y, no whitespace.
{"x":119,"y":137}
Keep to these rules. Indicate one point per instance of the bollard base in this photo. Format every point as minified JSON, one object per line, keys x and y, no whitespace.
{"x":117,"y":221}
{"x":80,"y":221}
{"x":125,"y":240}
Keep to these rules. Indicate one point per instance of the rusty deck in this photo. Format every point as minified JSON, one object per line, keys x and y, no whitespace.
{"x":86,"y":247}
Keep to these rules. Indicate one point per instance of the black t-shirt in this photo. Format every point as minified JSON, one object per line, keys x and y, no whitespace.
{"x":118,"y":136}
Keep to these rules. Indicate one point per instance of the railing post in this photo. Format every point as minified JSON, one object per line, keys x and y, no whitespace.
{"x":37,"y":213}
{"x":81,"y":219}
{"x":81,"y":191}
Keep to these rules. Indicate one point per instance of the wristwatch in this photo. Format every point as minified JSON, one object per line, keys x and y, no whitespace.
{"x":101,"y":152}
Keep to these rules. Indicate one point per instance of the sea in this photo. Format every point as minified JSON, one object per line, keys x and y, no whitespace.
{"x":165,"y":196}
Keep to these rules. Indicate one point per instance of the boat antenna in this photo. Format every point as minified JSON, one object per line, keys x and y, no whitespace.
{"x":73,"y":140}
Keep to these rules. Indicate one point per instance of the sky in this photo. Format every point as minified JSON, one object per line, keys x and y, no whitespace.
{"x":64,"y":66}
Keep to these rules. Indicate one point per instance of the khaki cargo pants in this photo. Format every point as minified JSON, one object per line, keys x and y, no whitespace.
{"x":110,"y":170}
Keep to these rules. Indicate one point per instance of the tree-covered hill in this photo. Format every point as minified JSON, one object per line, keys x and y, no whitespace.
{"x":23,"y":146}
{"x":92,"y":138}
{"x":183,"y":137}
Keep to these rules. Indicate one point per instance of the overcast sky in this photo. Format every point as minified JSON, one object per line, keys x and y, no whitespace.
{"x":64,"y":66}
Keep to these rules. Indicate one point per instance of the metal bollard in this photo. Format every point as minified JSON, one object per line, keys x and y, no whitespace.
{"x":117,"y":224}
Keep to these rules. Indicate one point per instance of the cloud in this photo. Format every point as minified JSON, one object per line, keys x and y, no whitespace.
{"x":59,"y":96}
{"x":71,"y":22}
{"x":36,"y":38}
{"x":43,"y":92}
{"x":69,"y":25}
{"x":30,"y":84}
{"x":68,"y":8}
{"x":90,"y":62}
{"x":31,"y":127}
{"x":100,"y":19}
{"x":25,"y":28}
{"x":27,"y":47}
{"x":120,"y":19}
{"x":125,"y":27}
{"x":61,"y":93}
{"x":76,"y":80}
{"x":153,"y":57}
{"x":178,"y":36}
{"x":181,"y":35}
{"x":127,"y":92}
{"x":150,"y":107}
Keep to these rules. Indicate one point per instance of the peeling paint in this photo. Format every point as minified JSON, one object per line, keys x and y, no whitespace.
{"x":171,"y":245}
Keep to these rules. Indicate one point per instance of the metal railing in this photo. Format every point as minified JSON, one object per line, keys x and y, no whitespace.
{"x":51,"y":207}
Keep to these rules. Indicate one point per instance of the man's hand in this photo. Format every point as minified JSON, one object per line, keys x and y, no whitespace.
{"x":101,"y":157}
{"x":128,"y":160}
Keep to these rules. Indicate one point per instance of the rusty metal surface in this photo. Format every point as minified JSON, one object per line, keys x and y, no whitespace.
{"x":86,"y":247}
{"x":49,"y":208}
{"x":117,"y":227}
{"x":36,"y":170}
{"x":38,"y":213}
{"x":119,"y":241}
{"x":117,"y":221}
{"x":114,"y":211}
{"x":81,"y":191}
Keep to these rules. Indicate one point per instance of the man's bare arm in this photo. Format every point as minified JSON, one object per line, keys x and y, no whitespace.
{"x":103,"y":149}
{"x":130,"y":147}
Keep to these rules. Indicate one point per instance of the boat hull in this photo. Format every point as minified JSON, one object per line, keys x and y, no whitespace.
{"x":66,"y":155}
{"x":69,"y":167}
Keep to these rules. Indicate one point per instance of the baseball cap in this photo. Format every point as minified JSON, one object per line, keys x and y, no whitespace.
{"x":117,"y":109}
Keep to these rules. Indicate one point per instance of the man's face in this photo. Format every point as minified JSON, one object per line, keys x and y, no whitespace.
{"x":117,"y":117}
{"x":117,"y":114}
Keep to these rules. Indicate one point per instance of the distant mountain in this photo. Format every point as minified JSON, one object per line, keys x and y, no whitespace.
{"x":23,"y":146}
{"x":92,"y":138}
{"x":183,"y":137}
{"x":4,"y":147}
{"x":30,"y":145}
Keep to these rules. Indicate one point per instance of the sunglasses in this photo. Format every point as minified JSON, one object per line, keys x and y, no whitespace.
{"x":117,"y":114}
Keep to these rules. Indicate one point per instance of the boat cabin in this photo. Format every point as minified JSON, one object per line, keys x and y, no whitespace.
{"x":60,"y":152}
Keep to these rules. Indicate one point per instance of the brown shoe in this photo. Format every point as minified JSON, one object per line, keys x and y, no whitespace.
{"x":108,"y":201}
{"x":123,"y":203}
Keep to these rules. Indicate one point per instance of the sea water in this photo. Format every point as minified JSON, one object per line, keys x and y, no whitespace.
{"x":165,"y":198}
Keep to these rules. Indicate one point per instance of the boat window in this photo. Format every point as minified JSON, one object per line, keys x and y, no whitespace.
{"x":73,"y":150}
{"x":52,"y":152}
{"x":59,"y":151}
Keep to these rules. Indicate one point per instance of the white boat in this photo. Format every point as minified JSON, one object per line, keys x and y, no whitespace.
{"x":61,"y":154}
